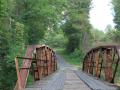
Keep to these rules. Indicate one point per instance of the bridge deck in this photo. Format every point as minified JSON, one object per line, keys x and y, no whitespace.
{"x":94,"y":83}
{"x":69,"y":78}
{"x":73,"y":82}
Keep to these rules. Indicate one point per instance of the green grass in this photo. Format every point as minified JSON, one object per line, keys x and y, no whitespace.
{"x":70,"y":58}
{"x":30,"y":80}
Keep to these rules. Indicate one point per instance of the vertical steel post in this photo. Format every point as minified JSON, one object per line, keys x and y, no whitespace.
{"x":97,"y":58}
{"x":18,"y":75}
{"x":108,"y":69}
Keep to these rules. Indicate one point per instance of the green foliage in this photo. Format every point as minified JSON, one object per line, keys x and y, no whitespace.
{"x":116,"y":36}
{"x":116,"y":6}
{"x":74,"y":58}
{"x":98,"y":37}
{"x":11,"y":42}
{"x":38,"y":16}
{"x":112,"y":36}
{"x":73,"y":37}
{"x":25,"y":22}
{"x":77,"y":27}
{"x":54,"y":39}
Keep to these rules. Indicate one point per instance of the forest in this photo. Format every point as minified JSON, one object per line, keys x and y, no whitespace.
{"x":61,"y":24}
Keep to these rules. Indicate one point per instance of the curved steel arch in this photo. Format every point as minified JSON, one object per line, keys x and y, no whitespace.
{"x":102,"y":62}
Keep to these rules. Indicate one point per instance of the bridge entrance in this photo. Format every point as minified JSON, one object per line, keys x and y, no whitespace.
{"x":100,"y":62}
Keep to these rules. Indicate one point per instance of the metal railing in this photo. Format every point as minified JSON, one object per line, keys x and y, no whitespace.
{"x":43,"y":61}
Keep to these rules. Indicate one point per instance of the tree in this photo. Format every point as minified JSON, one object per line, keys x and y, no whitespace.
{"x":77,"y":26}
{"x":38,"y":16}
{"x":116,"y":7}
{"x":23,"y":22}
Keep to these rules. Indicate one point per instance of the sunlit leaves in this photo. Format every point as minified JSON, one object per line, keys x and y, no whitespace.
{"x":77,"y":26}
{"x":116,"y":5}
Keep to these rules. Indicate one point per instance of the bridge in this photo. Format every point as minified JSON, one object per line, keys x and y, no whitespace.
{"x":51,"y":72}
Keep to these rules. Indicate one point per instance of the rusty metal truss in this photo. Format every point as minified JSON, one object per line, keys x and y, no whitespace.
{"x":102,"y":62}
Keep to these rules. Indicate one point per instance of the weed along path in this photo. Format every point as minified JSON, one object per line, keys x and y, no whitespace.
{"x":68,"y":77}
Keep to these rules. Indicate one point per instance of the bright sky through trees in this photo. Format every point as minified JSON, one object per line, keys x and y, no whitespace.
{"x":101,"y":14}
